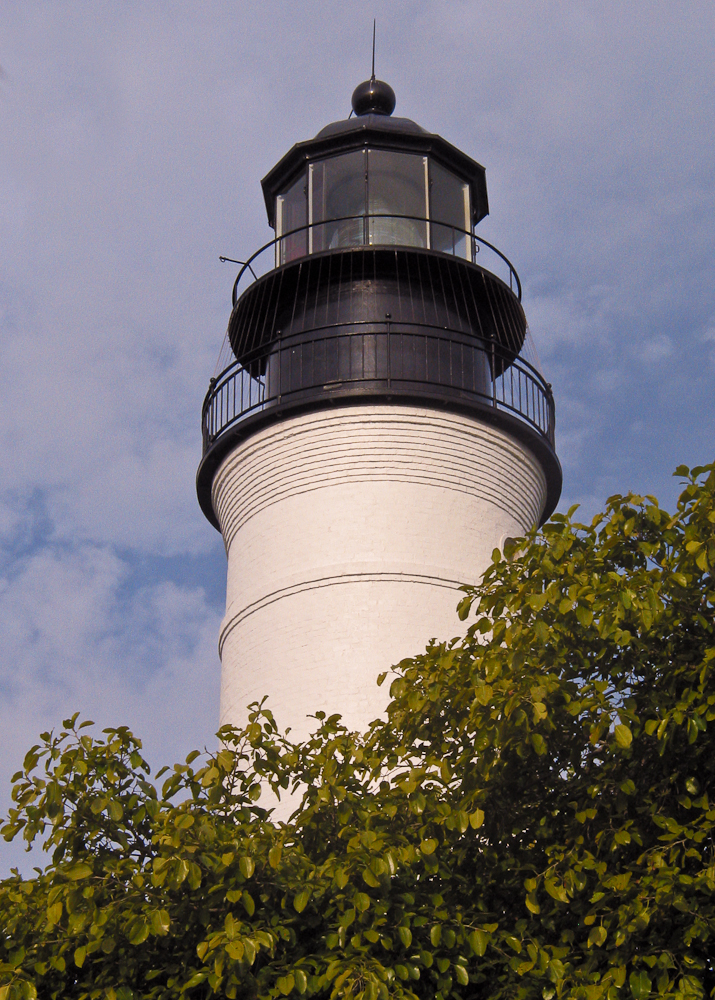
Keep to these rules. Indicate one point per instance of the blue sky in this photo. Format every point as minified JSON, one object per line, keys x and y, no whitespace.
{"x":134,"y":138}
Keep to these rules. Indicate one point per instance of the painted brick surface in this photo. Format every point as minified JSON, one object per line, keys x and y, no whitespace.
{"x":348,"y":532}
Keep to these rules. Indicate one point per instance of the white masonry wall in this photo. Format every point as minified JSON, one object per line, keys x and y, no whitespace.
{"x":348,"y":532}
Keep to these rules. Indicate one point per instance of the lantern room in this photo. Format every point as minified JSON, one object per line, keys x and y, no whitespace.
{"x":374,"y":180}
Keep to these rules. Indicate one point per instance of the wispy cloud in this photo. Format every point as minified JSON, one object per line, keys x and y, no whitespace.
{"x":79,"y":634}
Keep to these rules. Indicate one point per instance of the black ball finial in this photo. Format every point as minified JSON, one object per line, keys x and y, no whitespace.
{"x":373,"y":97}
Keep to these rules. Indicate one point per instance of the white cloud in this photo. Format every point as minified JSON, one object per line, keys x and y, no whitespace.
{"x":656,"y":348}
{"x":78,"y":637}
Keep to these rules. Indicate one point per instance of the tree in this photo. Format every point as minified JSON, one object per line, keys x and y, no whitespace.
{"x":532,"y":819}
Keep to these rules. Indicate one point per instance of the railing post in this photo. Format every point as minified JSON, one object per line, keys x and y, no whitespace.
{"x":280,"y":368}
{"x":389,"y":355}
{"x":494,"y":377}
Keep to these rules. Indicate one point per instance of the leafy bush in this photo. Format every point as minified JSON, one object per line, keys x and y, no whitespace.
{"x":532,"y":819}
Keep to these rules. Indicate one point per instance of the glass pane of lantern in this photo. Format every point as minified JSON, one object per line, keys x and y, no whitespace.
{"x":337,"y":192}
{"x":397,"y":187}
{"x":292,"y":213}
{"x":449,"y":212}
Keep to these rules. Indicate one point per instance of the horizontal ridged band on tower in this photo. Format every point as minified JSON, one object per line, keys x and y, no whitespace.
{"x":392,"y":444}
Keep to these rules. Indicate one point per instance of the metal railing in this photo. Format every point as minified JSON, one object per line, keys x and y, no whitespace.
{"x":377,"y":359}
{"x":371,"y":231}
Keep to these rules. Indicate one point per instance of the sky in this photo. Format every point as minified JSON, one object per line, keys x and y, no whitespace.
{"x":133,"y":137}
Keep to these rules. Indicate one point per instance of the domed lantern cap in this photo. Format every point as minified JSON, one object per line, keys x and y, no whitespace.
{"x":373,"y":126}
{"x":373,"y":97}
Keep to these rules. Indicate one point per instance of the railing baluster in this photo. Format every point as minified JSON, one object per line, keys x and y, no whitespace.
{"x":519,"y":389}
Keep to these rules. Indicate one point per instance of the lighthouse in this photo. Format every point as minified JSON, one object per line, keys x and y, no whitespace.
{"x":382,"y":425}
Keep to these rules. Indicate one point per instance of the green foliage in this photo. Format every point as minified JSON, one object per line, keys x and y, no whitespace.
{"x":533,"y":819}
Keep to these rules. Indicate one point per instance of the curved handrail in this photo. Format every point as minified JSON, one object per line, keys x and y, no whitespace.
{"x":215,"y":382}
{"x":307,"y":229}
{"x":520,"y":389}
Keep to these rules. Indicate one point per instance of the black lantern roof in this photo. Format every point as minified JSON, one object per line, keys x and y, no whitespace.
{"x":375,"y":127}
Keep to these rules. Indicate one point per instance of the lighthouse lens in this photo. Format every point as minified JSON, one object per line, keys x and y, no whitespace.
{"x":292,"y":215}
{"x":449,"y":212}
{"x":337,"y":201}
{"x":397,"y":198}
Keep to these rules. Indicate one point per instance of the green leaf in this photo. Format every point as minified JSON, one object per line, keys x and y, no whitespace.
{"x":584,"y":615}
{"x":274,"y":856}
{"x":139,"y":931}
{"x":539,"y":711}
{"x":195,"y":980}
{"x":462,"y":975}
{"x":418,"y":803}
{"x":640,"y":984}
{"x":115,"y":810}
{"x":463,"y":608}
{"x":160,"y":922}
{"x":476,"y":819}
{"x":285,"y":984}
{"x":478,"y":941}
{"x":301,"y":900}
{"x":556,"y":970}
{"x":405,"y":935}
{"x":301,"y":980}
{"x":538,"y":743}
{"x":194,"y":875}
{"x":210,"y":776}
{"x":79,"y":956}
{"x":428,"y":846}
{"x":370,"y":878}
{"x":556,"y":891}
{"x":81,"y":870}
{"x":181,"y":871}
{"x":532,"y":903}
{"x":597,"y":937}
{"x":623,"y":735}
{"x":247,"y":867}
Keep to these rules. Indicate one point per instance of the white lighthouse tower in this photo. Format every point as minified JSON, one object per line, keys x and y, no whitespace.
{"x":380,"y":429}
